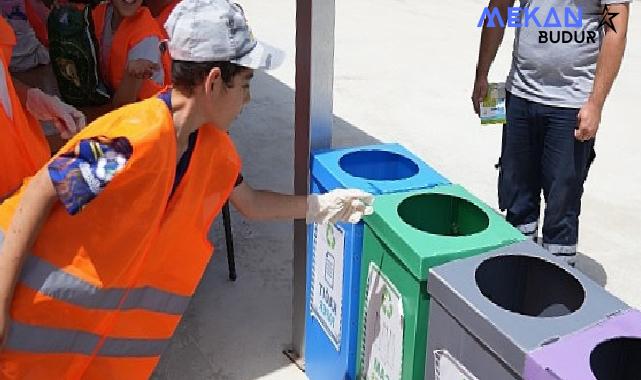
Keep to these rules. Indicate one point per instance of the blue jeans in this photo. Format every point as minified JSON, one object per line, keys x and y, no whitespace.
{"x":539,"y":153}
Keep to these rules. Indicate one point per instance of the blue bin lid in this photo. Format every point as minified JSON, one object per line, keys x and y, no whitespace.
{"x":377,"y":169}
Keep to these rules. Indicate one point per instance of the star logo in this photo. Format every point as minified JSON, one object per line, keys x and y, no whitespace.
{"x":606,"y":18}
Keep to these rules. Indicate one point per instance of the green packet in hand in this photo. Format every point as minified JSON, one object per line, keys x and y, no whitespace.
{"x":493,"y":105}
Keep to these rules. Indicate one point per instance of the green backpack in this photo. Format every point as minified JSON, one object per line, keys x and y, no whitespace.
{"x":74,"y":56}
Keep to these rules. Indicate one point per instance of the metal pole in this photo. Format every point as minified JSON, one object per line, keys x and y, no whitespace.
{"x":313,"y":120}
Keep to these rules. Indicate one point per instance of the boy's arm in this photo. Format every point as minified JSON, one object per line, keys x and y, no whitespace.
{"x":21,"y":90}
{"x":491,"y":39}
{"x":143,"y":60}
{"x":342,"y":205}
{"x":31,"y":213}
{"x":137,"y":71}
{"x":264,"y":205}
{"x":127,"y":91}
{"x":607,"y":68}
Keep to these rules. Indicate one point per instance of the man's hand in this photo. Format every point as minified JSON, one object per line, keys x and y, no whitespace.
{"x":607,"y":68}
{"x":479,"y":92}
{"x":142,"y":68}
{"x":588,"y":121}
{"x":491,"y":39}
{"x":67,"y":120}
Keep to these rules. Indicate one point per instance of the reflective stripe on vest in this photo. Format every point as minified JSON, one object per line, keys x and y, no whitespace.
{"x":23,"y":337}
{"x":51,"y":281}
{"x":123,"y":269}
{"x":45,"y":278}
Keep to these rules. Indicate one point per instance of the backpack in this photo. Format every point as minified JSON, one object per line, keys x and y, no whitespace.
{"x":74,"y":56}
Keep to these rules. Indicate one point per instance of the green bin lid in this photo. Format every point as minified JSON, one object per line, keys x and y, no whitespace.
{"x":431,"y":227}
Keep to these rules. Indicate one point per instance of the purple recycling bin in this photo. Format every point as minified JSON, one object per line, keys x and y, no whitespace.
{"x":608,"y":350}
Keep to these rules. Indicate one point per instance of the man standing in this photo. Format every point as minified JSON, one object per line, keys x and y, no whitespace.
{"x":563,"y":68}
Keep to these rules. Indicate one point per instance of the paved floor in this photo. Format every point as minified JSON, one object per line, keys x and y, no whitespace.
{"x":404,"y":71}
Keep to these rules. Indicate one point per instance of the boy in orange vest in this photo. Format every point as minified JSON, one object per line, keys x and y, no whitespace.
{"x":160,"y":10}
{"x":102,"y":250}
{"x":22,"y":142}
{"x":132,"y":59}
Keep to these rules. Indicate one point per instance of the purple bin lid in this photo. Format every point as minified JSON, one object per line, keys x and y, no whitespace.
{"x":608,"y":350}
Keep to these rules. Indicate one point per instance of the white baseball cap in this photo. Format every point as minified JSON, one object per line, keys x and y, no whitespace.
{"x":217,"y":30}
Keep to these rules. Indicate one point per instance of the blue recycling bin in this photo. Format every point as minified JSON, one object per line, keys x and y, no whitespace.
{"x":334,"y":251}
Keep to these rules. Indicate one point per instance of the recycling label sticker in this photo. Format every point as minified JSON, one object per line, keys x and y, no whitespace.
{"x":327,"y":279}
{"x":448,"y":368}
{"x":383,"y":350}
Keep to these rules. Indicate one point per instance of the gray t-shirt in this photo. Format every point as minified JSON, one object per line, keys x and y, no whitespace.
{"x":557,"y":74}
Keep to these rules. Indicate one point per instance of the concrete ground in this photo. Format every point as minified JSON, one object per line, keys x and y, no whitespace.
{"x":404,"y":72}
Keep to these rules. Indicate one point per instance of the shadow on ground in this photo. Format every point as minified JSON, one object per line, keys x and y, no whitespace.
{"x":592,"y":269}
{"x":237,"y":330}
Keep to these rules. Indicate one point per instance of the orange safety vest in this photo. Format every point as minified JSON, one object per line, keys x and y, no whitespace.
{"x":23,"y":144}
{"x":102,"y":291}
{"x":130,"y":32}
{"x":164,"y":15}
{"x":7,"y":39}
{"x":37,"y":14}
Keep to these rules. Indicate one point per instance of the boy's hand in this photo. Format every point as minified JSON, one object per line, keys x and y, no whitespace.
{"x":67,"y":120}
{"x":341,"y":205}
{"x":4,"y":327}
{"x":142,"y":68}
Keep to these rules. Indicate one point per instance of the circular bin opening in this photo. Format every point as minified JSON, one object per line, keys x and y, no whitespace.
{"x":444,"y":215}
{"x":529,"y":286}
{"x":617,"y":359}
{"x":378,"y":165}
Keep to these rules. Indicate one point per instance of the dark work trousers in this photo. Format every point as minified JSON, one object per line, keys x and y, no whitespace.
{"x":539,"y":153}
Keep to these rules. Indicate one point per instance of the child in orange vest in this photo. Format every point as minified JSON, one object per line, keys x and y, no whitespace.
{"x":105,"y":246}
{"x":161,"y":9}
{"x":22,"y":141}
{"x":28,"y":51}
{"x":133,"y":59}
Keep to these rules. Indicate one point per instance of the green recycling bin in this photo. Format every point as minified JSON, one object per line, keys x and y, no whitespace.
{"x":408,"y":234}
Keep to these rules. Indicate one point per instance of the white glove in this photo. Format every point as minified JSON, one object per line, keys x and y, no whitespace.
{"x":340,"y":205}
{"x":67,"y":119}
